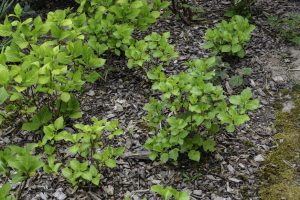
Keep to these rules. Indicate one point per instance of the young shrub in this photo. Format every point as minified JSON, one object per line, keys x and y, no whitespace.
{"x":190,"y":110}
{"x":43,"y":66}
{"x":287,"y":26}
{"x":22,"y":162}
{"x":91,"y":144}
{"x":240,"y":7}
{"x":168,"y":192}
{"x":229,"y":38}
{"x":153,"y":47}
{"x":110,"y":24}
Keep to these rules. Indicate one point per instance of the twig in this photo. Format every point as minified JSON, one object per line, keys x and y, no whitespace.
{"x":142,"y":155}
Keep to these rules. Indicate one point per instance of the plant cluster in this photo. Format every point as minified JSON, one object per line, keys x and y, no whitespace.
{"x":20,"y":161}
{"x":229,"y":38}
{"x":110,"y":24}
{"x":240,"y":7}
{"x":168,"y":192}
{"x":47,"y":62}
{"x":287,"y":26}
{"x":190,"y":110}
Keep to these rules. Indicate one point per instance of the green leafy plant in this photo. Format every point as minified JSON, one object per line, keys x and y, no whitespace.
{"x":5,"y":192}
{"x":238,"y":80}
{"x":152,"y":47}
{"x":111,"y":23}
{"x":89,"y":145}
{"x":45,"y":63}
{"x":240,"y":7}
{"x":229,"y":38}
{"x":168,"y":193}
{"x":20,"y":160}
{"x":190,"y":110}
{"x":287,"y":26}
{"x":77,"y":172}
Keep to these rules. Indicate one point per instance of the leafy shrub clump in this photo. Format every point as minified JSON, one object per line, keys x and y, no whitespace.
{"x":43,"y":66}
{"x":229,"y":38}
{"x":89,"y":145}
{"x":168,"y":192}
{"x":190,"y":110}
{"x":287,"y":26}
{"x":110,"y":24}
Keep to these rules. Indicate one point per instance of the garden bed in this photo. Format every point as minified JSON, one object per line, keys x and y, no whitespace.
{"x":231,"y":172}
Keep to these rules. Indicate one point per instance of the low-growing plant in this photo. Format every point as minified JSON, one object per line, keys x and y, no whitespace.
{"x":110,"y":24}
{"x":168,"y":193}
{"x":240,"y":7}
{"x":239,"y":79}
{"x":183,"y":10}
{"x":190,"y":110}
{"x":5,"y":6}
{"x":22,"y":162}
{"x":43,"y":66}
{"x":5,"y":192}
{"x":152,"y":47}
{"x":229,"y":38}
{"x":91,"y":143}
{"x":287,"y":26}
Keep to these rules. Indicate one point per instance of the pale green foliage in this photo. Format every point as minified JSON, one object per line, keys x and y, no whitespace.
{"x":77,"y":172}
{"x":23,"y":164}
{"x":168,"y":192}
{"x":229,"y":38}
{"x":111,"y":23}
{"x":44,"y":64}
{"x":5,"y":192}
{"x":152,"y":47}
{"x":88,"y":143}
{"x":189,"y":109}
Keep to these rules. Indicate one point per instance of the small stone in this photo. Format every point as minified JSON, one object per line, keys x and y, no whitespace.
{"x":156,"y":181}
{"x":91,"y":93}
{"x":118,"y":107}
{"x":216,"y":197}
{"x":235,"y":180}
{"x":109,"y":190}
{"x":59,"y":194}
{"x":259,"y":158}
{"x":197,"y":192}
{"x":278,"y":79}
{"x":288,"y":106}
{"x":230,"y":169}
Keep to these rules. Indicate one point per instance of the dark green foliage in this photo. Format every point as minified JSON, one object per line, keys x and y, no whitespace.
{"x":288,"y":26}
{"x":240,"y":7}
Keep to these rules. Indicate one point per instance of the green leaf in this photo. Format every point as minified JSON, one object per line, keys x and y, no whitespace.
{"x":164,"y":157}
{"x":4,"y":75}
{"x":3,"y":95}
{"x":153,"y":156}
{"x":59,"y":123}
{"x":110,"y":163}
{"x":236,"y":81}
{"x":65,"y":97}
{"x":18,"y":10}
{"x":226,"y":48}
{"x":194,"y":155}
{"x":209,"y":145}
{"x":252,"y":104}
